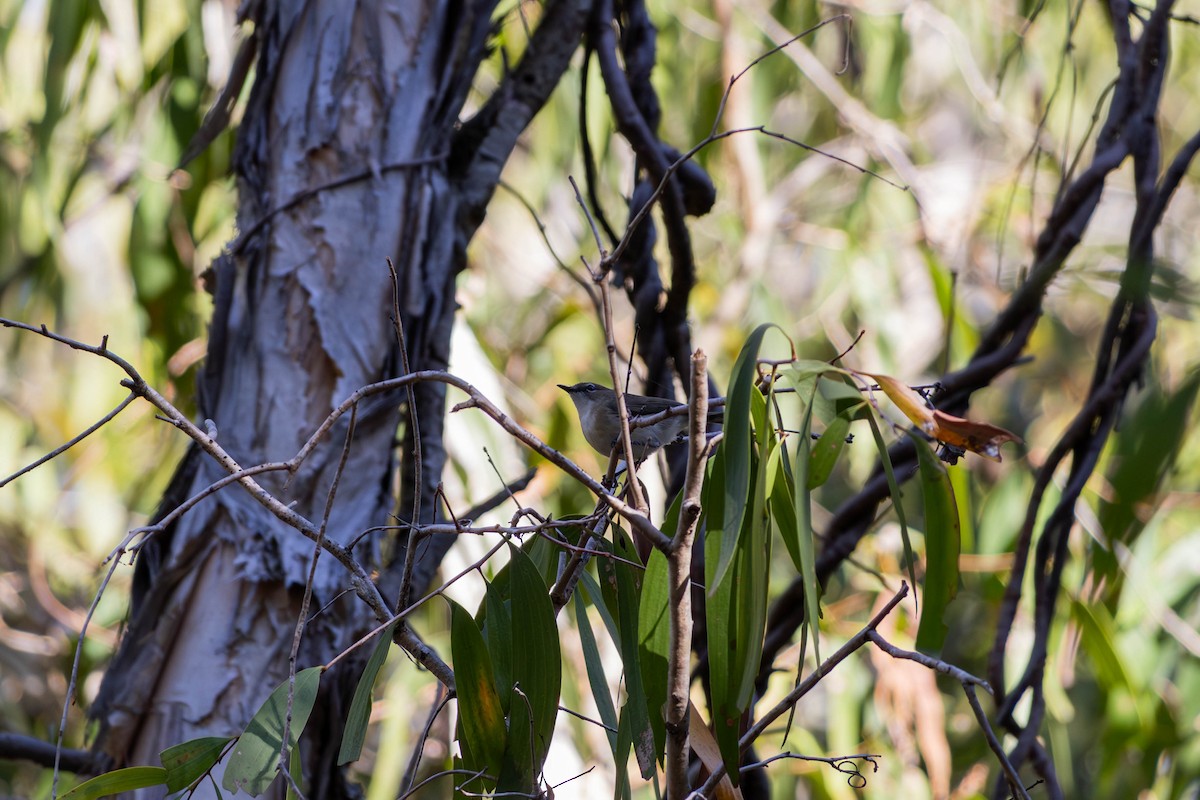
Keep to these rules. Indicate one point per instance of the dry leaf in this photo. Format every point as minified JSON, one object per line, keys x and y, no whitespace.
{"x":908,"y":400}
{"x":978,"y":437}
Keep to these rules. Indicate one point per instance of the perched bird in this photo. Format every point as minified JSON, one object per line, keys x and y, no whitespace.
{"x":601,"y":424}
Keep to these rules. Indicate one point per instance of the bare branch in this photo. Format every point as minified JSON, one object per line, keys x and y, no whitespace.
{"x":107,"y":418}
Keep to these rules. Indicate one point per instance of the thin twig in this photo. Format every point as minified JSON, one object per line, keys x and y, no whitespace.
{"x":440,"y":700}
{"x":107,"y":418}
{"x":302,"y":617}
{"x":679,"y":567}
{"x":73,"y":683}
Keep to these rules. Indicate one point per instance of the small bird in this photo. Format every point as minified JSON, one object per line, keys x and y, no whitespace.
{"x":601,"y":424}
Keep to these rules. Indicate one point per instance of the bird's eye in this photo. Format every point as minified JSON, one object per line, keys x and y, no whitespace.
{"x":591,"y":387}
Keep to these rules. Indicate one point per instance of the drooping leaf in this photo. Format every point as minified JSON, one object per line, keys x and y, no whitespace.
{"x":482,"y":732}
{"x":897,"y":498}
{"x":908,"y":400}
{"x":783,"y":511}
{"x":254,"y":763}
{"x":187,"y":761}
{"x":621,"y":586}
{"x":738,"y":445}
{"x":942,"y":547}
{"x":597,"y":680}
{"x":359,"y":716}
{"x":654,"y":624}
{"x":622,"y":790}
{"x":977,"y":437}
{"x":117,"y":781}
{"x":720,"y":627}
{"x":735,"y":609}
{"x":536,"y":676}
{"x":596,"y":596}
{"x":1146,"y":446}
{"x":706,"y":749}
{"x":805,"y":546}
{"x":751,"y":589}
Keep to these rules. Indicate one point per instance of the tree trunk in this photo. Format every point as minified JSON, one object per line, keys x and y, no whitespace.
{"x":348,"y":155}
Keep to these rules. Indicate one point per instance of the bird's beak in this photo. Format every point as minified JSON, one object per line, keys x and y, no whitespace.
{"x":564,"y":387}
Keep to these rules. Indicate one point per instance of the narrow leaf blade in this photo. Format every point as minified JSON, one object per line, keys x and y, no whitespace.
{"x":359,"y":716}
{"x":187,"y":761}
{"x":117,"y":781}
{"x":254,"y":763}
{"x":738,"y":444}
{"x":943,"y":543}
{"x":653,"y":641}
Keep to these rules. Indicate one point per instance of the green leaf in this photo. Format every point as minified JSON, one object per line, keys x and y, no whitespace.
{"x":1098,"y":631}
{"x":807,"y":370}
{"x":942,"y":546}
{"x":254,"y":762}
{"x":783,"y":511}
{"x":498,"y":633}
{"x":117,"y":781}
{"x":897,"y":498}
{"x":536,"y":675}
{"x":597,"y":680}
{"x":826,"y":451}
{"x":296,"y":771}
{"x":622,"y":590}
{"x":654,"y":638}
{"x":359,"y":715}
{"x":189,"y":761}
{"x":735,"y":610}
{"x":481,"y":720}
{"x":842,"y":399}
{"x":720,"y":625}
{"x":805,"y":546}
{"x":738,"y":446}
{"x":623,"y":791}
{"x":1145,"y":449}
{"x":755,"y":556}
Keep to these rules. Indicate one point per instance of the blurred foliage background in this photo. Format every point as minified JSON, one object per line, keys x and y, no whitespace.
{"x":979,"y":109}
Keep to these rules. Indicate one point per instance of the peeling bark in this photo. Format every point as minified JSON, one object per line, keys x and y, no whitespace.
{"x":342,"y":162}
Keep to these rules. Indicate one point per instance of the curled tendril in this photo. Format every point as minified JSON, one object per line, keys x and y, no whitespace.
{"x":850,"y":768}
